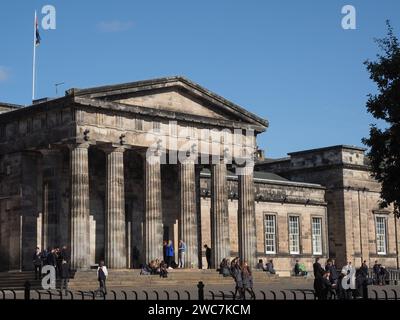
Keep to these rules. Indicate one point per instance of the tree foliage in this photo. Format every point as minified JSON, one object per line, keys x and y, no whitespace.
{"x":384,"y":143}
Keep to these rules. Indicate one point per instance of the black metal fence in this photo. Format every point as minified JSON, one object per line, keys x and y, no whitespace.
{"x":199,"y":293}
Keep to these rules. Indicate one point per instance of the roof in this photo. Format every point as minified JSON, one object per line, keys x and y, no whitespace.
{"x":175,"y":81}
{"x":10,"y":105}
{"x":268,"y":177}
{"x":340,"y":146}
{"x":271,"y":160}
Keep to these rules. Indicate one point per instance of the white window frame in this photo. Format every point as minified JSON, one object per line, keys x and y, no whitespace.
{"x":294,"y":236}
{"x":271,"y":232}
{"x":381,"y":237}
{"x":315,"y":235}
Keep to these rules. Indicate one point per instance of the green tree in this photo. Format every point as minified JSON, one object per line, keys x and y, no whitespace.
{"x":384,"y":143}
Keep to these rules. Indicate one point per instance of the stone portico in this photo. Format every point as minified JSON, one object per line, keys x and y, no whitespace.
{"x":101,"y":170}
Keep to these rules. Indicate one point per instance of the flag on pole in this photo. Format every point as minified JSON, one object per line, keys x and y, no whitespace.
{"x":37,"y":35}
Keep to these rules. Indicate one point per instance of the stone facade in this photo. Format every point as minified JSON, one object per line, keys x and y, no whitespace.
{"x":100,"y":170}
{"x":352,"y":197}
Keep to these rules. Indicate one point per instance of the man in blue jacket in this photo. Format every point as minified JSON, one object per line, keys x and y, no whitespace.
{"x":170,"y":254}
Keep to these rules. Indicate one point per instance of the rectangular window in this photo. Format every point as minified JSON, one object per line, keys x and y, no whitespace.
{"x":294,"y":232}
{"x":270,"y":233}
{"x":317,"y":235}
{"x":381,"y":235}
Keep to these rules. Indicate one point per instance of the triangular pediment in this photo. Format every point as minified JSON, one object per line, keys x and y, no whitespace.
{"x":175,"y":94}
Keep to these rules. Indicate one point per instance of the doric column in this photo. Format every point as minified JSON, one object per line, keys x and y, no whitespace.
{"x":115,"y":248}
{"x":188,"y":214}
{"x":246,"y":215}
{"x":152,"y":225}
{"x":79,"y":206}
{"x":220,"y":245}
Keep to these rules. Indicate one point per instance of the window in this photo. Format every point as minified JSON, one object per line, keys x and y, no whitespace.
{"x":317,"y":235}
{"x":139,"y":124}
{"x":294,"y":245}
{"x":270,"y":233}
{"x":381,"y":235}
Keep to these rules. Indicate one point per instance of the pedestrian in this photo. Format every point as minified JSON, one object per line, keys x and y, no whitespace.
{"x":165,"y":243}
{"x":383,"y":275}
{"x":260,"y":265}
{"x":270,"y":267}
{"x":247,"y":279}
{"x":376,"y":270}
{"x":64,"y":276}
{"x":208,"y":256}
{"x":65,"y":255}
{"x":181,"y":254}
{"x":326,"y":287}
{"x":37,"y":263}
{"x":237,"y":276}
{"x":170,"y":254}
{"x":317,"y":268}
{"x":59,"y":261}
{"x":364,"y":269}
{"x":224,"y":268}
{"x":135,"y":257}
{"x":333,"y":278}
{"x":102,"y":275}
{"x":163,"y":270}
{"x":51,"y":257}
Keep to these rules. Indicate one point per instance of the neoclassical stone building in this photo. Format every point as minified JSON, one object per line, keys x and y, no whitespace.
{"x":113,"y":171}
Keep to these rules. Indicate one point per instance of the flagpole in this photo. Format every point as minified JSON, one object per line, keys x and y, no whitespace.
{"x":34,"y":58}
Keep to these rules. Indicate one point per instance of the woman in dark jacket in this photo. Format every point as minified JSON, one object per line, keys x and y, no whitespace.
{"x":247,"y":279}
{"x":237,"y":276}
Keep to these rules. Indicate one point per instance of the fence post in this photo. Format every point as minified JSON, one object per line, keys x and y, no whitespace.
{"x":27,"y":293}
{"x":200,"y":286}
{"x":365,"y":290}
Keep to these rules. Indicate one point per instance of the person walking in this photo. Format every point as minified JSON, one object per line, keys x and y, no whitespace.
{"x":237,"y":276}
{"x":181,"y":254}
{"x":170,"y":254}
{"x":247,"y":279}
{"x":37,"y":263}
{"x":376,"y":270}
{"x":64,"y":272}
{"x":208,"y":256}
{"x":102,"y":274}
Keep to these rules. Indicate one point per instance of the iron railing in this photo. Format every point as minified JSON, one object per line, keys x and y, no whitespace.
{"x":199,"y":293}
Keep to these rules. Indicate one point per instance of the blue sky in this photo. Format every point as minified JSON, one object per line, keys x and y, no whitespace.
{"x":288,"y":61}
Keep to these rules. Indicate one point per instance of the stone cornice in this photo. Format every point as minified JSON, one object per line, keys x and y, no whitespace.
{"x":164,"y":114}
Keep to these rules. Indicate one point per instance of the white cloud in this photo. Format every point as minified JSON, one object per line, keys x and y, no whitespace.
{"x":4,"y":74}
{"x":114,"y":26}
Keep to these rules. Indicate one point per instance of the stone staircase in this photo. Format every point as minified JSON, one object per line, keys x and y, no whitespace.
{"x":16,"y":280}
{"x":131,"y":278}
{"x":86,"y":280}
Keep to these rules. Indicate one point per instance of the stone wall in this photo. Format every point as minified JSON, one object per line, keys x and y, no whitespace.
{"x":353,"y":201}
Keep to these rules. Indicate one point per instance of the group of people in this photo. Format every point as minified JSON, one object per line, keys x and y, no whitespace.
{"x":56,"y":257}
{"x":329,"y":282}
{"x":380,"y":274}
{"x":241,"y":273}
{"x":267,"y":267}
{"x":155,"y":267}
